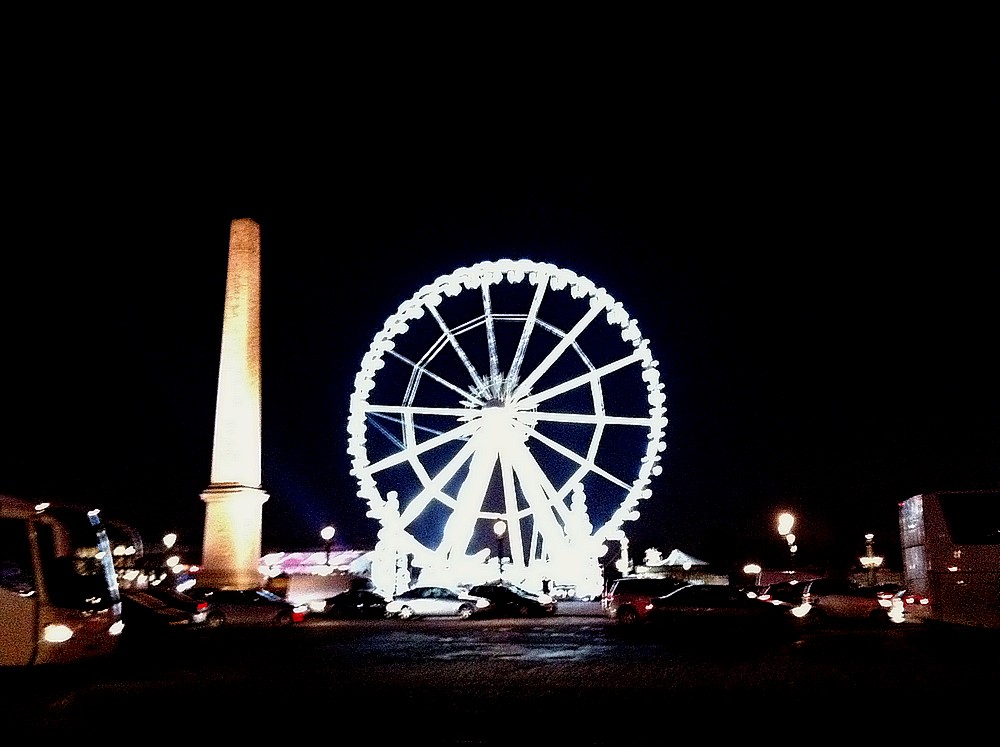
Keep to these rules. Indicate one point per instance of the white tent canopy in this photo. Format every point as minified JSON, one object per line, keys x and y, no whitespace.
{"x":676,"y":557}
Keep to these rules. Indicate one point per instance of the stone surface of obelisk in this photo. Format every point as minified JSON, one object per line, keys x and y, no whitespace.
{"x":234,"y":499}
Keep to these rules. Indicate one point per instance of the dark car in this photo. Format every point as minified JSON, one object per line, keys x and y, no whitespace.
{"x":250,"y":606}
{"x":510,"y":600}
{"x":711,"y":608}
{"x":353,"y":604}
{"x":787,"y":595}
{"x":839,"y":600}
{"x":155,"y":609}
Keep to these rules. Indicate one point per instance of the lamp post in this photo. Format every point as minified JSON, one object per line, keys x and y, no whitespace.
{"x":785,"y":523}
{"x":327,"y":533}
{"x":499,"y":529}
{"x":870,"y":561}
{"x":753,"y":569}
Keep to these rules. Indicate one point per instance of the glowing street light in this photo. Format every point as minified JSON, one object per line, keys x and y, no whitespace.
{"x":753,"y":569}
{"x":785,"y":523}
{"x":327,"y":533}
{"x":870,"y":561}
{"x":499,"y":529}
{"x":169,"y":539}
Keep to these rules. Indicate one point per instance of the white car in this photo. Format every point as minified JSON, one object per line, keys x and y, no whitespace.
{"x":435,"y":601}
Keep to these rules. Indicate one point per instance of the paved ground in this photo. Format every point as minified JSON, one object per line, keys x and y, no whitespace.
{"x":580,"y":609}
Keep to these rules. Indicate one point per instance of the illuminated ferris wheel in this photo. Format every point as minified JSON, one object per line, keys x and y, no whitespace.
{"x":510,"y":409}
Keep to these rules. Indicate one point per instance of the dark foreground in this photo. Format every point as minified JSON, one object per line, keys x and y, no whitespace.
{"x":573,"y":677}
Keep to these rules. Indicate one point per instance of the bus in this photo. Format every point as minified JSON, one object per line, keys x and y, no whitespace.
{"x":951,"y":554}
{"x":59,"y":596}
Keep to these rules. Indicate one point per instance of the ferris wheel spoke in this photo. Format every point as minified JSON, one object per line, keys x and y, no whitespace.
{"x":591,"y":376}
{"x":433,"y":488}
{"x":557,"y":351}
{"x":385,"y":431}
{"x":406,"y":423}
{"x":533,"y":482}
{"x":516,"y":543}
{"x":491,"y":334}
{"x":461,"y":432}
{"x":588,"y":419}
{"x":453,"y":341}
{"x":526,"y":330}
{"x":406,"y":410}
{"x":459,"y":528}
{"x":582,"y":461}
{"x":421,"y":370}
{"x":557,"y":496}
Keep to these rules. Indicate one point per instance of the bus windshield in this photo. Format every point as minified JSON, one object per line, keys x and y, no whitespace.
{"x":59,"y":596}
{"x":77,"y":562}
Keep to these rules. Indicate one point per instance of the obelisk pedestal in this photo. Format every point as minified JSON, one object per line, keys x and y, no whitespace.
{"x":234,"y":500}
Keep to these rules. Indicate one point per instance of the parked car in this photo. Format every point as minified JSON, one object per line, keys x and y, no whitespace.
{"x":841,"y":600}
{"x":436,"y":601}
{"x":627,"y":599}
{"x":155,"y":609}
{"x":510,"y":600}
{"x":564,"y":591}
{"x":250,"y":606}
{"x":569,"y":593}
{"x":785,"y":594}
{"x":712,"y":608}
{"x":353,"y":604}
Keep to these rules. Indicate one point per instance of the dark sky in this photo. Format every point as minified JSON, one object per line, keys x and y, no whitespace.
{"x":810,"y":247}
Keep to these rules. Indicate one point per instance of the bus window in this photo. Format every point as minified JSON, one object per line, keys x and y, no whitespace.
{"x":973,"y":518}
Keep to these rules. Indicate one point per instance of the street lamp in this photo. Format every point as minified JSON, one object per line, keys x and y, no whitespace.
{"x":870,"y":561}
{"x":327,"y":533}
{"x":499,"y":529}
{"x":785,"y":523}
{"x":753,"y":569}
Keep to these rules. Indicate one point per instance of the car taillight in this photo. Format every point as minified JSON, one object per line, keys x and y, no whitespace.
{"x":201,"y":606}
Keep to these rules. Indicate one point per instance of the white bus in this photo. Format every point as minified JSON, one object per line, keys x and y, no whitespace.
{"x":951,"y":554}
{"x":59,"y":598}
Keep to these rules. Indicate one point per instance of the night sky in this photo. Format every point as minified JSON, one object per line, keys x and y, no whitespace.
{"x":811,"y":255}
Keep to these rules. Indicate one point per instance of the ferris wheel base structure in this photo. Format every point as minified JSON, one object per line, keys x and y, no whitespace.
{"x":506,"y":422}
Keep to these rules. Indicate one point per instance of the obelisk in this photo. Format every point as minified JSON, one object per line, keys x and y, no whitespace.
{"x":234,"y":499}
